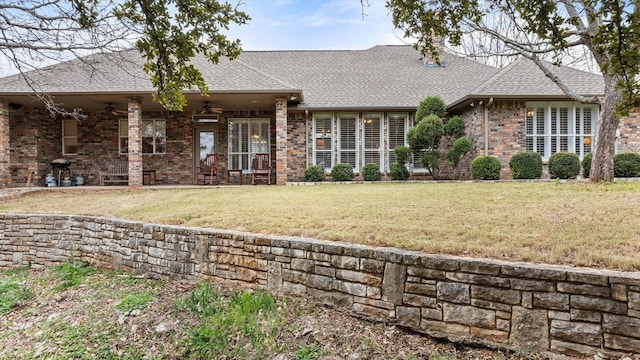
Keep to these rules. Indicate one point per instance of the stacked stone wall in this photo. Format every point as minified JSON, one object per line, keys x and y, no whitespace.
{"x":518,"y":306}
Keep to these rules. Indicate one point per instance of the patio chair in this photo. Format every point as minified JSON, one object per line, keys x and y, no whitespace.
{"x":260,"y":166}
{"x":208,"y":170}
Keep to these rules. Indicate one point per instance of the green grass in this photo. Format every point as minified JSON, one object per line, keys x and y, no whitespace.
{"x":72,"y":272}
{"x":307,"y":352}
{"x":234,"y":326}
{"x":134,"y":302}
{"x":575,"y":223}
{"x":13,"y":289}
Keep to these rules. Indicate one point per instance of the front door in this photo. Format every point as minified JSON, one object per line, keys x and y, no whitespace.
{"x":205,"y":143}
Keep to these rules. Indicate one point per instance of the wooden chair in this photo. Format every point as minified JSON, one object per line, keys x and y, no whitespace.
{"x":260,"y":166}
{"x":208,"y":169}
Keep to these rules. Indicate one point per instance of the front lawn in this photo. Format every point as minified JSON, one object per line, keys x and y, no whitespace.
{"x":577,"y":223}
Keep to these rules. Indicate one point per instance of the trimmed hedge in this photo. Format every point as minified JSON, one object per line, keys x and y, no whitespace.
{"x":564,"y":165}
{"x":526,"y":165}
{"x":398,"y":171}
{"x":314,"y":173}
{"x":586,"y":165}
{"x":626,"y":165}
{"x":342,"y":172}
{"x":485,"y":168}
{"x":371,"y":172}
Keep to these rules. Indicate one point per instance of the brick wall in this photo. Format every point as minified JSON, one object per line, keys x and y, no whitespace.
{"x":629,"y":139}
{"x":507,"y":131}
{"x":526,"y":307}
{"x":297,"y":139}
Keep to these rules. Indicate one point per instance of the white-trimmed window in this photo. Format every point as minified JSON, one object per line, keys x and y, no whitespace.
{"x":69,"y":137}
{"x":554,"y":127}
{"x":396,"y":133}
{"x":153,"y":134}
{"x":323,"y":140}
{"x":246,"y":138}
{"x":372,"y":129}
{"x":348,"y":139}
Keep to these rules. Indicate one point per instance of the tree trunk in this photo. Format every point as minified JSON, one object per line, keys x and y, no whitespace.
{"x":604,"y":151}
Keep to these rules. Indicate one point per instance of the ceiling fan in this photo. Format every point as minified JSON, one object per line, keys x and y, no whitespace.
{"x":207,"y":109}
{"x":113,"y":111}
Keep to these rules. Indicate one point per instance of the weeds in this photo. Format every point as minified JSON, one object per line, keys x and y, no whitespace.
{"x":71,"y":273}
{"x":13,"y":289}
{"x":134,"y":302}
{"x":236,"y":326}
{"x":307,"y":352}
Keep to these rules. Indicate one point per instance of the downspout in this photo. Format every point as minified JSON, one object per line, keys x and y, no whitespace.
{"x":486,"y":126}
{"x":306,"y":137}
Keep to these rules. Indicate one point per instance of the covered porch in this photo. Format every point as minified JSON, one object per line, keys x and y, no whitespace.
{"x":132,"y":128}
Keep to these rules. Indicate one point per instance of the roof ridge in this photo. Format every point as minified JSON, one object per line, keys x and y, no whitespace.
{"x":290,"y":86}
{"x":323,"y":50}
{"x":496,"y":76}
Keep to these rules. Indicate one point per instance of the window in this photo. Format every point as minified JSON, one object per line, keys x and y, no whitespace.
{"x":372,"y":124}
{"x":69,"y":137}
{"x":555,"y":127}
{"x":153,"y":133}
{"x":323,"y":140}
{"x":246,"y":138}
{"x":397,"y":130}
{"x":348,"y":142}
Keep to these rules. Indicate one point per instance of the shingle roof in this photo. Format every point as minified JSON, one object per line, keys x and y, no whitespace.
{"x":123,"y":73}
{"x":524,"y":78}
{"x":380,"y":77}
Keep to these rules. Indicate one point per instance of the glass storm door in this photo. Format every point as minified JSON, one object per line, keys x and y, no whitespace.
{"x":205,"y":144}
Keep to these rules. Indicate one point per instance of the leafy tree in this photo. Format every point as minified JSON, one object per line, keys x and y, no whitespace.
{"x":455,"y":127}
{"x":431,"y":105}
{"x":608,"y":31}
{"x":168,"y":34}
{"x":426,"y":134}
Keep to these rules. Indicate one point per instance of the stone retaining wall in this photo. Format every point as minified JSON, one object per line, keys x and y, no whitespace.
{"x":508,"y":305}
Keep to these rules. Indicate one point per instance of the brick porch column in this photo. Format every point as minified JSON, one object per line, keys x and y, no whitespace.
{"x":135,"y":142}
{"x":5,"y":172}
{"x":281,"y":141}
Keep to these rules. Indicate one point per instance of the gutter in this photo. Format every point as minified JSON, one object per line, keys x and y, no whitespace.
{"x":486,"y":126}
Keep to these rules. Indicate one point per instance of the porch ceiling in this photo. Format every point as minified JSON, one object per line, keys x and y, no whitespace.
{"x":96,"y":102}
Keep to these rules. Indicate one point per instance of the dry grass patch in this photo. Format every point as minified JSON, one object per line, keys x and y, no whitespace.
{"x":575,"y":223}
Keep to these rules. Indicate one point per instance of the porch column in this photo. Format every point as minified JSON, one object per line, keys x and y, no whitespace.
{"x":281,"y":141}
{"x":5,"y":172}
{"x":135,"y":142}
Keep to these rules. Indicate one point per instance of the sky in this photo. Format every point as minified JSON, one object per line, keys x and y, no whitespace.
{"x":308,"y":25}
{"x":315,"y":25}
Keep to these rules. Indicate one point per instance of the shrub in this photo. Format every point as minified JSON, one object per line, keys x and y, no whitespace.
{"x":426,"y":134}
{"x":403,"y":154}
{"x":626,"y":165}
{"x":460,"y":148}
{"x":398,"y":171}
{"x":455,"y":127}
{"x":342,"y":172}
{"x":586,"y":165}
{"x":431,"y":105}
{"x":564,"y":165}
{"x":526,"y":165}
{"x":314,"y":173}
{"x":485,"y":168}
{"x":371,"y":172}
{"x":430,"y":160}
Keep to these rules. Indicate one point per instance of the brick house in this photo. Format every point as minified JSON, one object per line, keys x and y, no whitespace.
{"x":303,"y":107}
